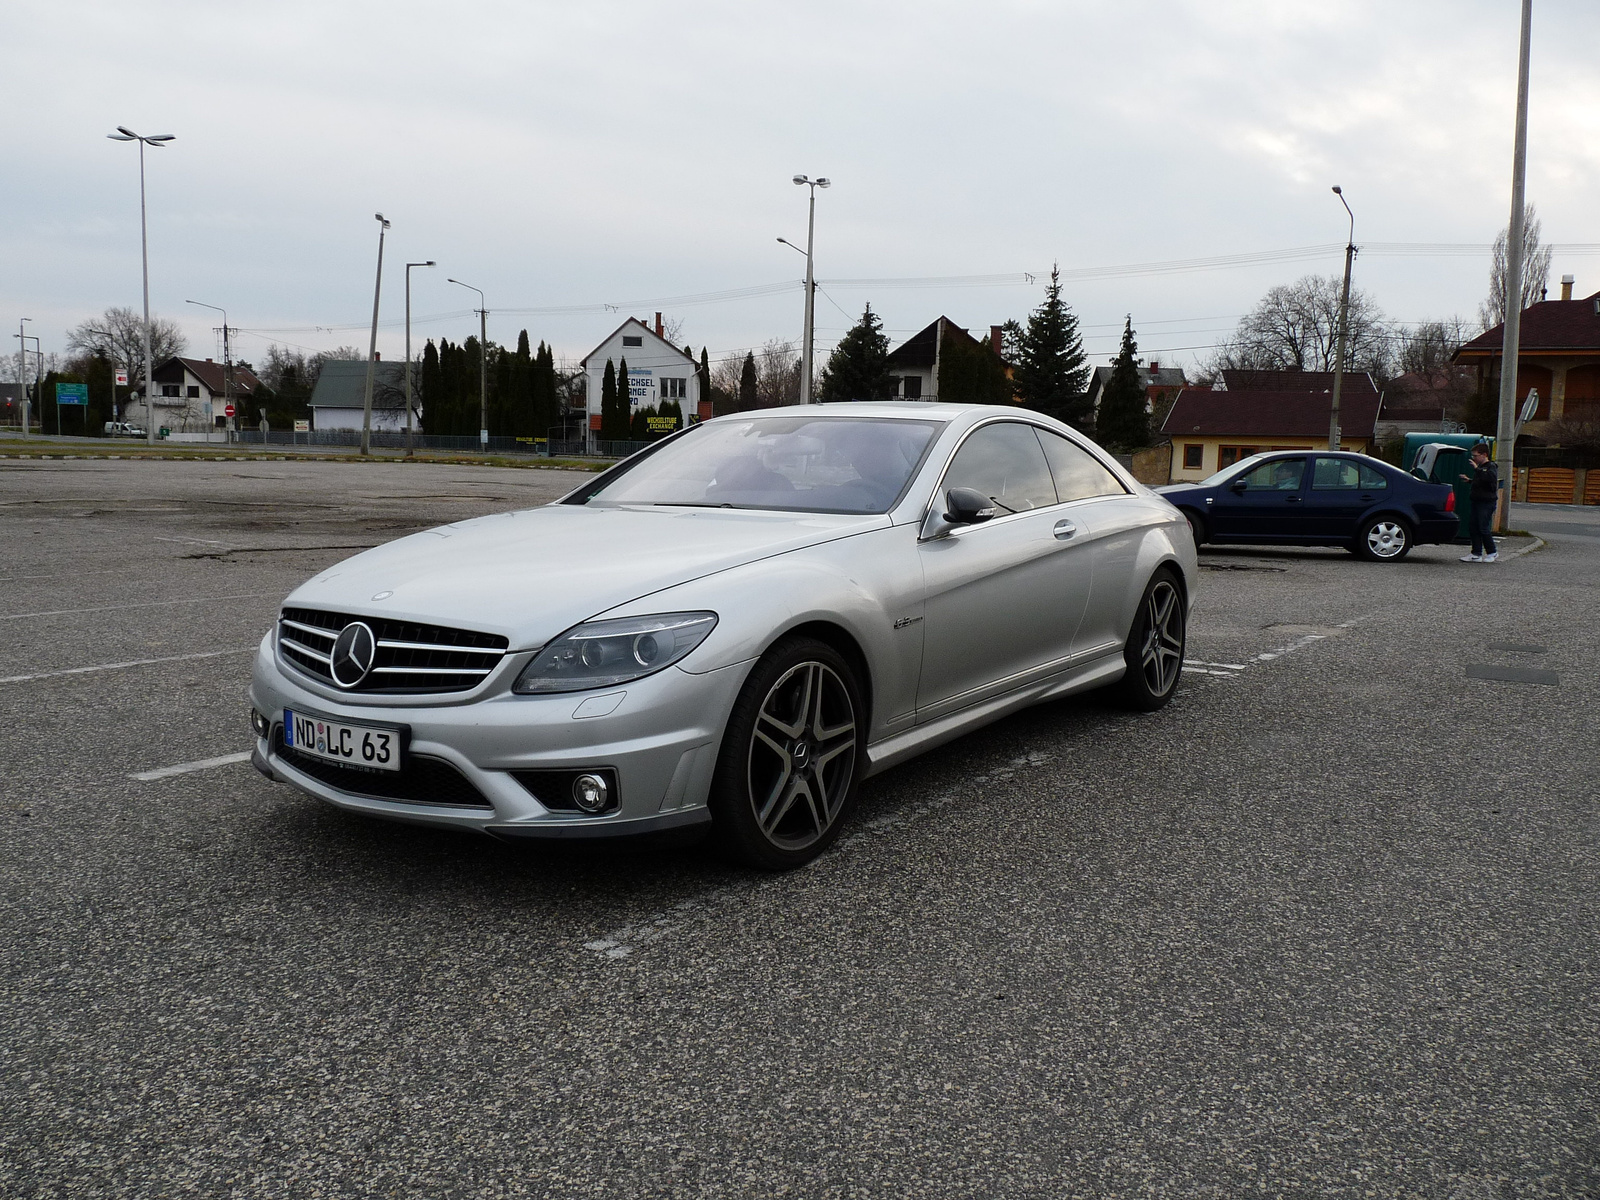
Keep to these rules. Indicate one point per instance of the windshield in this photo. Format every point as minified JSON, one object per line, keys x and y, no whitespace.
{"x":1229,"y":471}
{"x":793,"y":464}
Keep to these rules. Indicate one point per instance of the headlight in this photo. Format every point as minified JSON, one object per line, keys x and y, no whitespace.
{"x":602,"y":653}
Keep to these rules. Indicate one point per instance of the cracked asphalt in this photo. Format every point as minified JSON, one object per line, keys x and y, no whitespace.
{"x":1326,"y":925}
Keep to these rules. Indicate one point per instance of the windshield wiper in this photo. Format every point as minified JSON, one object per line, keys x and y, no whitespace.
{"x":689,"y":504}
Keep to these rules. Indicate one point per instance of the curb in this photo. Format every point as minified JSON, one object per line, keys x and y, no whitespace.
{"x":1538,"y":544}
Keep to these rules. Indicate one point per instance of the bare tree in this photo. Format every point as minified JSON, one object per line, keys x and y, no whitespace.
{"x":725,"y":373}
{"x":1296,"y":326}
{"x":1428,"y":349}
{"x":118,"y":335}
{"x":778,"y":366}
{"x":1535,"y":270}
{"x":672,"y":329}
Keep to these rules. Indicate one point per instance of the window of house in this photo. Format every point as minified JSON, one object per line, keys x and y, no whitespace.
{"x":170,"y":389}
{"x":192,"y":392}
{"x":1228,"y":455}
{"x":636,"y":340}
{"x":913,"y":390}
{"x":1078,"y":474}
{"x":1194,"y":456}
{"x":674,"y":388}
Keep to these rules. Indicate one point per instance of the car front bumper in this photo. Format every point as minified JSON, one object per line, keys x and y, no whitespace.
{"x":661,"y":738}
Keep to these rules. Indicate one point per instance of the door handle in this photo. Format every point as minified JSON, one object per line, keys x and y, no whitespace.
{"x":1065,"y":529}
{"x":1292,"y":499}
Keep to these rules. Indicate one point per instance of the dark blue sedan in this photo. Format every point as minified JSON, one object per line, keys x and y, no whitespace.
{"x":1306,"y":498}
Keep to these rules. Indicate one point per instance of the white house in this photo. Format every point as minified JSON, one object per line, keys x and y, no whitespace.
{"x":192,"y":396}
{"x":338,"y":401}
{"x":657,"y":370}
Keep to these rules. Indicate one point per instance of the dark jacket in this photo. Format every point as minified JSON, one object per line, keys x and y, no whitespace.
{"x":1486,"y":483}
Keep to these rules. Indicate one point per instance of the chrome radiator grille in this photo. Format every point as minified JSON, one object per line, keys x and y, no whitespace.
{"x":408,"y":658}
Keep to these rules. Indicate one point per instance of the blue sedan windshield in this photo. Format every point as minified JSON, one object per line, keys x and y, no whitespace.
{"x":792,"y":464}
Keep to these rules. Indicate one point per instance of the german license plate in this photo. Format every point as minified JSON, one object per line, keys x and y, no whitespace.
{"x":350,"y":745}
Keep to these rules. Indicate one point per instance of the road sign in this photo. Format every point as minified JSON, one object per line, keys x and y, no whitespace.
{"x":302,"y":426}
{"x":227,"y":410}
{"x":1530,"y":406}
{"x":72,"y":393}
{"x":122,"y":379}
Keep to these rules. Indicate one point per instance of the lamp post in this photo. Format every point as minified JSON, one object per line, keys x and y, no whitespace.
{"x":808,"y":336}
{"x":409,"y":265}
{"x":372,"y":345}
{"x":483,"y":364}
{"x":155,"y":141}
{"x":1344,"y":324}
{"x":38,"y":379}
{"x":1511,"y":333}
{"x":227,"y":361}
{"x":22,"y":368}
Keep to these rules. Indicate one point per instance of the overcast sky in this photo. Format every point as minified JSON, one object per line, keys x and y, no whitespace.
{"x":563,"y":155}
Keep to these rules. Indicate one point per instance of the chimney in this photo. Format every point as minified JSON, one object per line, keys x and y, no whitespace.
{"x":658,"y":324}
{"x":996,"y":338}
{"x":209,"y":360}
{"x":377,"y":356}
{"x":1154,"y":366}
{"x":1566,"y":287}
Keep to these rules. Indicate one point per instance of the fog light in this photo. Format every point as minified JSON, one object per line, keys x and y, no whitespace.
{"x":589,"y":793}
{"x":259,"y":724}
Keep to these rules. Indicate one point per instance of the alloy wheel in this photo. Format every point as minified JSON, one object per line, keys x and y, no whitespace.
{"x":1386,"y":539}
{"x":1161,"y":653}
{"x":801,"y":760}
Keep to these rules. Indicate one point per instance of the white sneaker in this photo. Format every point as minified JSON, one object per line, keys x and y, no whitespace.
{"x":1495,"y":557}
{"x":1471,"y":558}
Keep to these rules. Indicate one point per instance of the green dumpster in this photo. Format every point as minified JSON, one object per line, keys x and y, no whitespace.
{"x":1445,"y":458}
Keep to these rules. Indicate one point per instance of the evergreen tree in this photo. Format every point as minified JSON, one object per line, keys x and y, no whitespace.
{"x":432,"y":391}
{"x":749,"y":383}
{"x":608,"y":403}
{"x":970,"y":372}
{"x":521,"y":387}
{"x":706,"y":392}
{"x":639,"y":424}
{"x":1052,"y":374}
{"x":502,"y":403}
{"x":858,"y":368}
{"x":1123,"y":422}
{"x":544,"y":391}
{"x":624,"y":401}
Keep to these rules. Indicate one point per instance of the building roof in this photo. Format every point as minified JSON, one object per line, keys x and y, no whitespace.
{"x":648,"y":332}
{"x":1255,"y":412}
{"x":1240,"y":380}
{"x":919,"y":351}
{"x":1568,"y":326}
{"x":342,"y":383}
{"x":209,"y":373}
{"x":1150,"y":377}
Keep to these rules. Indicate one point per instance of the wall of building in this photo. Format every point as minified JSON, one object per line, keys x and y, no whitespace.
{"x":350,"y":418}
{"x":1211,"y":447}
{"x":655,"y":370}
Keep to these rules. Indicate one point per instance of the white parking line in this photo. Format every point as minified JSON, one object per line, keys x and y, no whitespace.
{"x":132,"y":662}
{"x":222,"y":760}
{"x":66,"y":612}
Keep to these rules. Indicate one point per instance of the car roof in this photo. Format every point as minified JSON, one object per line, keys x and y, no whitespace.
{"x":912,"y":409}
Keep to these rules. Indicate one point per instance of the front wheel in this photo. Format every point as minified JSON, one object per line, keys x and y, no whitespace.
{"x":1384,"y":539}
{"x":1155,"y":647}
{"x":789,"y":763}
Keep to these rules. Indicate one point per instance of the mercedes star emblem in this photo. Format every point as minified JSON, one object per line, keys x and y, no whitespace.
{"x":352,"y":654}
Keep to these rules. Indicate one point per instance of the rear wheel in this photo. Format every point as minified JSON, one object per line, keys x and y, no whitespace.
{"x":789,"y":764}
{"x":1384,"y":539}
{"x":1197,"y":527}
{"x":1155,"y":648}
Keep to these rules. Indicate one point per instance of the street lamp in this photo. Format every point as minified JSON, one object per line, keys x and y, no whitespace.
{"x":409,"y":265}
{"x":155,"y":141}
{"x":38,"y":378}
{"x":483,"y":364}
{"x":1344,"y":320}
{"x":22,"y":369}
{"x":372,"y":346}
{"x":227,"y":361}
{"x":811,"y":285}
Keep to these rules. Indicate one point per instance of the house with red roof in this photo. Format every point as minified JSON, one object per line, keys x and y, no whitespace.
{"x":1558,"y":353}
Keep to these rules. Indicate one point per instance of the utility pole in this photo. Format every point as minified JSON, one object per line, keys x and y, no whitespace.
{"x":409,"y":265}
{"x":1511,"y":337}
{"x":372,"y":346}
{"x":22,"y":368}
{"x":807,"y":350}
{"x":1344,"y":324}
{"x":483,"y":364}
{"x":124,"y":134}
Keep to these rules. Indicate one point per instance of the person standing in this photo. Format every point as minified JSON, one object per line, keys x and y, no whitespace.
{"x":1485,"y":479}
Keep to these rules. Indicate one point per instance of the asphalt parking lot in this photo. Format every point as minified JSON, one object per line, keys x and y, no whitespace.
{"x":1326,"y":925}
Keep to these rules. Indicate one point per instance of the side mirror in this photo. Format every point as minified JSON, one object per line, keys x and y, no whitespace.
{"x":1238,"y":485}
{"x":968,"y":506}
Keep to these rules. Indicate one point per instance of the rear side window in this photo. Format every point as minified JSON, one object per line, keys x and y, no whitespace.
{"x":1334,"y":474}
{"x":1078,"y":474}
{"x":1372,"y":479}
{"x":1003,"y":462}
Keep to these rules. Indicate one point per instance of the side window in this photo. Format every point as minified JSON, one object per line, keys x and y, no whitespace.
{"x":1004,"y":462}
{"x":1334,"y":475}
{"x":1280,"y":475}
{"x":1078,"y":476}
{"x":1372,"y":479}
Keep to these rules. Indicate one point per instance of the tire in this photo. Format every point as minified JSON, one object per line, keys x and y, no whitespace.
{"x":1156,"y":645}
{"x":1197,"y":527}
{"x":791,"y":757}
{"x":1384,"y":539}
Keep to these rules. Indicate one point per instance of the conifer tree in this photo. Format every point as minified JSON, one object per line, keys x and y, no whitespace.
{"x":1052,"y":374}
{"x":545,"y":413}
{"x":432,"y":392}
{"x":858,"y":368}
{"x":1123,"y":422}
{"x":624,"y":401}
{"x":749,"y":383}
{"x":705,"y":374}
{"x":520,"y":400}
{"x":608,"y":402}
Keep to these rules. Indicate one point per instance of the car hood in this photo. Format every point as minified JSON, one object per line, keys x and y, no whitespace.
{"x":1168,"y":489}
{"x":533,"y":573}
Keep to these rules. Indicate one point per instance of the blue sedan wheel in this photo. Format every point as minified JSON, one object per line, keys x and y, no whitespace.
{"x":1385,"y":539}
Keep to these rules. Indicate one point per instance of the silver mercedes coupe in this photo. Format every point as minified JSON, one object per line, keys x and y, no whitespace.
{"x":730,"y":629}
